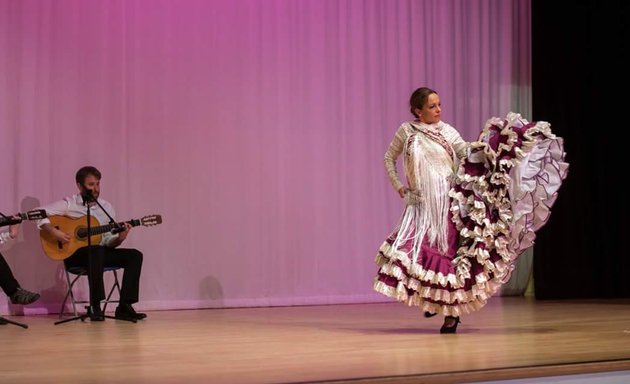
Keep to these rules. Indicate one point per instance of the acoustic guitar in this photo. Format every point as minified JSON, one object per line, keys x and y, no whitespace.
{"x":77,"y":229}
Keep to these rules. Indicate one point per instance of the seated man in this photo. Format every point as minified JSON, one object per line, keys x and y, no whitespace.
{"x":105,"y":254}
{"x":9,"y":284}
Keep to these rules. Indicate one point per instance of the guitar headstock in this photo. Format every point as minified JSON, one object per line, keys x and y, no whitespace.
{"x":35,"y":214}
{"x":151,"y":220}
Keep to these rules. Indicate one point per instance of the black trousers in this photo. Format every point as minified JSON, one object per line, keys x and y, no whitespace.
{"x":127,"y":258}
{"x":7,"y":280}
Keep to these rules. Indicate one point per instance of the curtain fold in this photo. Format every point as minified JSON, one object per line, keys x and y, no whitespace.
{"x":256,"y":128}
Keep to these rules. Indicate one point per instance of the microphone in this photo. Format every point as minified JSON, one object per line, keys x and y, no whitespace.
{"x":87,"y":195}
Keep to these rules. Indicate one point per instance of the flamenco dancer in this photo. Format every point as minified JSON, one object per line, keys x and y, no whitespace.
{"x":471,"y":208}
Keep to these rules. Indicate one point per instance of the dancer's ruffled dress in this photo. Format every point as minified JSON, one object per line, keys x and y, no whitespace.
{"x":472,"y":210}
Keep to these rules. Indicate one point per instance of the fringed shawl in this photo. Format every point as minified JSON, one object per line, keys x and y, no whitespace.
{"x":429,"y":165}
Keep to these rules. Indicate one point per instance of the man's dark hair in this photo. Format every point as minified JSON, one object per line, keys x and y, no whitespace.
{"x":85,"y":172}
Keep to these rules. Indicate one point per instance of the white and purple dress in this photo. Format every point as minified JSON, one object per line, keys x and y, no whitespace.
{"x":472,"y":209}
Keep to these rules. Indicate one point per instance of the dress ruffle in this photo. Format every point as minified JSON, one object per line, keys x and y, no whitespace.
{"x":503,"y":192}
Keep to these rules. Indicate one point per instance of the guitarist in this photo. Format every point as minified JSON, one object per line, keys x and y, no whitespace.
{"x":105,"y":254}
{"x":9,"y":284}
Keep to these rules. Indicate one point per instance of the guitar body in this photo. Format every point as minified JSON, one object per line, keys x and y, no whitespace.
{"x":55,"y":249}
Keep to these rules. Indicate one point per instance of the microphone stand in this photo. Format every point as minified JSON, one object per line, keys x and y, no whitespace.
{"x":10,"y":221}
{"x":4,"y":320}
{"x":87,"y":198}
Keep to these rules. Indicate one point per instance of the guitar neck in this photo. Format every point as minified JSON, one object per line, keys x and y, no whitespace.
{"x":35,"y":214}
{"x":100,"y":229}
{"x":8,"y":221}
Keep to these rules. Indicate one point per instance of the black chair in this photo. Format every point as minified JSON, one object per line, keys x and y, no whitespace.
{"x":78,"y":272}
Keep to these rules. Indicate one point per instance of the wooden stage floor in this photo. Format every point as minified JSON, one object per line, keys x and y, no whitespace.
{"x":511,"y":337}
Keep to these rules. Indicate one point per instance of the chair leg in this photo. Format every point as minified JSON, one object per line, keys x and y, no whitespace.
{"x":115,"y":287}
{"x":74,"y":300}
{"x":69,"y":294}
{"x":62,"y":310}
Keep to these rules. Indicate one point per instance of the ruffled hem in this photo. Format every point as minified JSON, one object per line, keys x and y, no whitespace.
{"x":398,"y":263}
{"x":435,"y":300}
{"x":504,"y":190}
{"x":416,"y":285}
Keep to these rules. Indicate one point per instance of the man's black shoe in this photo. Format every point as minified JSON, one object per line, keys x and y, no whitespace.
{"x":3,"y":321}
{"x":126,"y":312}
{"x":96,"y":313}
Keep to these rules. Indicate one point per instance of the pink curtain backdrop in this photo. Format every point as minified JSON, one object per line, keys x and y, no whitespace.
{"x":256,"y":128}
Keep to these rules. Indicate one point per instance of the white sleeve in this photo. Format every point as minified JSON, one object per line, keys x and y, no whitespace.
{"x":5,"y":237}
{"x":456,"y":141}
{"x":393,"y":152}
{"x":108,"y":237}
{"x":58,"y":208}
